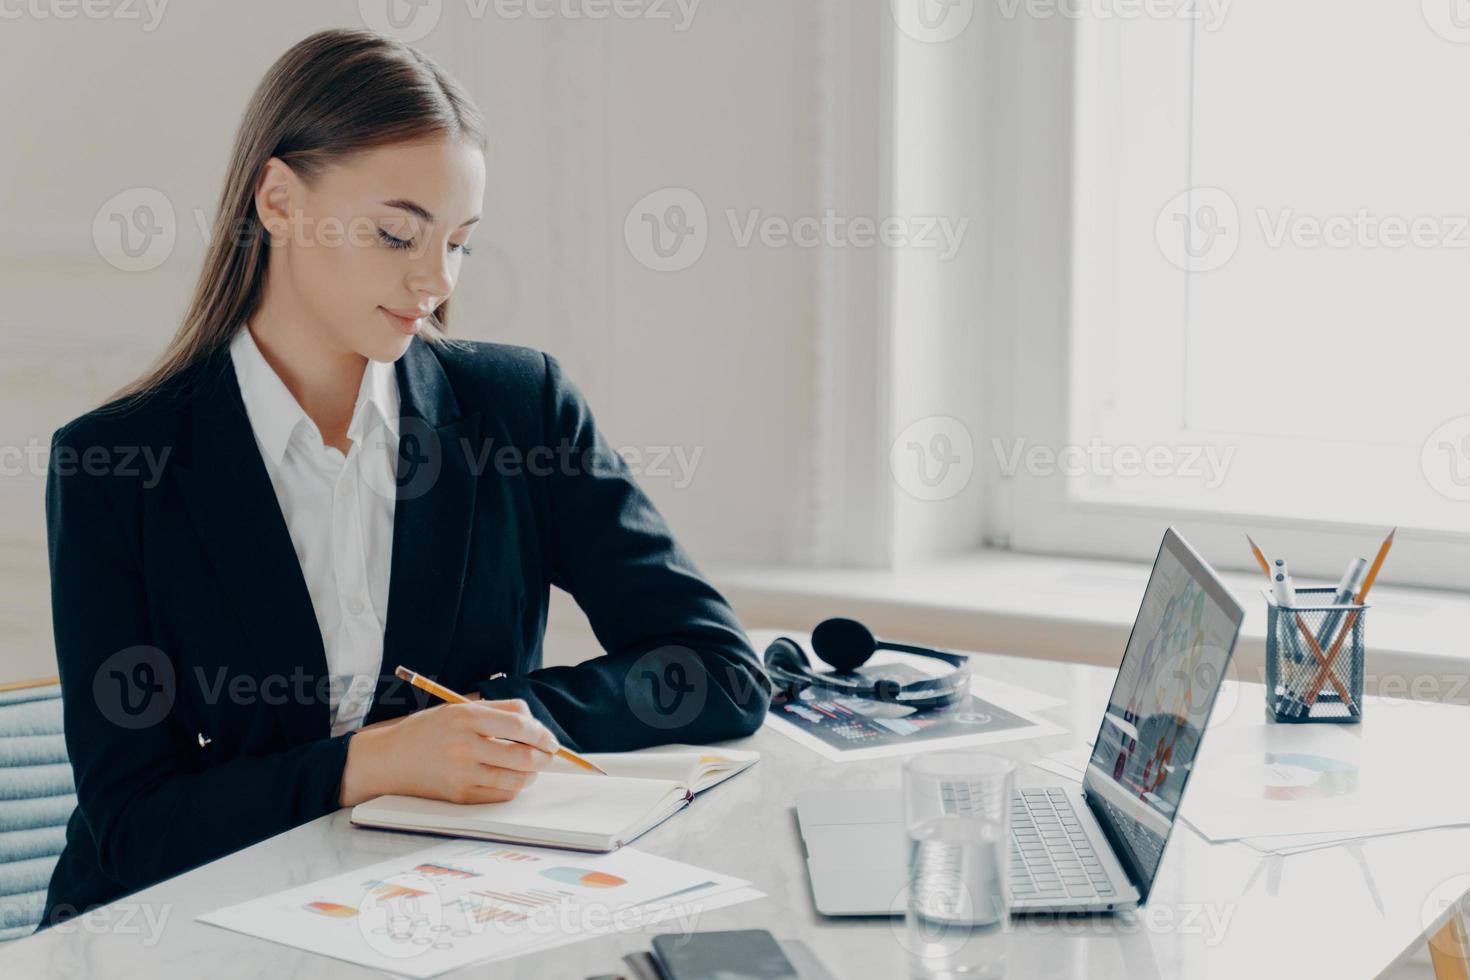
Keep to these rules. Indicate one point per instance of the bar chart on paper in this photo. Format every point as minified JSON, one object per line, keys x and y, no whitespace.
{"x":466,"y":902}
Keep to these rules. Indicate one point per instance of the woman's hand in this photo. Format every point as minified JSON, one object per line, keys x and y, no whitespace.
{"x":463,"y":753}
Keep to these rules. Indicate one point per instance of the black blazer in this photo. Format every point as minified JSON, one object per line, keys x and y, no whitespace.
{"x":192,"y":669}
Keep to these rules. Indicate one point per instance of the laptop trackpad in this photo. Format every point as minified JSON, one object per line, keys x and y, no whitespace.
{"x":856,"y":851}
{"x":864,"y":844}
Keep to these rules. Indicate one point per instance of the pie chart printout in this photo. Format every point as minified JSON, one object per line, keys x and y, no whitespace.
{"x":583,"y":877}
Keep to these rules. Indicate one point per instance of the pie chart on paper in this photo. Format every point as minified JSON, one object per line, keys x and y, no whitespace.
{"x":1304,"y":776}
{"x":583,"y":877}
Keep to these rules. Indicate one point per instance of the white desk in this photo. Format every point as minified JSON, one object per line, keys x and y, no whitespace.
{"x":1217,"y":910}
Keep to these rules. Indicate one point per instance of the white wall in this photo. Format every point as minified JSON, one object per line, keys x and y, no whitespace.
{"x":585,"y":118}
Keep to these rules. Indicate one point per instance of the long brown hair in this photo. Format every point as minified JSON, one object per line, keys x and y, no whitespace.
{"x":333,"y":94}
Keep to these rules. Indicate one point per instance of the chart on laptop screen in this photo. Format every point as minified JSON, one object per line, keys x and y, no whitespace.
{"x":1176,"y":655}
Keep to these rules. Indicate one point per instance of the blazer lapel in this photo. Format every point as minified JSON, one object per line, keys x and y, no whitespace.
{"x":233,"y":505}
{"x":432,"y":519}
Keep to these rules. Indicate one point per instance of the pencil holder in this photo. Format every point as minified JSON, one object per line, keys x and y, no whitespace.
{"x":1314,"y":658}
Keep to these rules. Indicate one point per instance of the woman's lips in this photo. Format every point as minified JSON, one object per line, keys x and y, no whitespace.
{"x":409,"y":322}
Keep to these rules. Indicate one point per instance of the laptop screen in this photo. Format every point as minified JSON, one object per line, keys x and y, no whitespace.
{"x":1161,"y":701}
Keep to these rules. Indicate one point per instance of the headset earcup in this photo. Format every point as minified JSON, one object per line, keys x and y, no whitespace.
{"x":784,"y":653}
{"x":845,"y":644}
{"x":787,"y":667}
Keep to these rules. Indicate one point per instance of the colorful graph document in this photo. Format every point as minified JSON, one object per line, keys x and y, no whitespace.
{"x":845,"y":729}
{"x":466,"y":902}
{"x":1265,"y":782}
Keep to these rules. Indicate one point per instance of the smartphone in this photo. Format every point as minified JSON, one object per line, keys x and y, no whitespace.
{"x":740,"y":954}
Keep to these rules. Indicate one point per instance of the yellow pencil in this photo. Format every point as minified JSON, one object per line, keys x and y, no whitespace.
{"x":1260,"y":556}
{"x":445,"y":694}
{"x":1324,"y":671}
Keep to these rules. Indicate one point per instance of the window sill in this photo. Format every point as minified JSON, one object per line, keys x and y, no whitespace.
{"x":1081,"y":610}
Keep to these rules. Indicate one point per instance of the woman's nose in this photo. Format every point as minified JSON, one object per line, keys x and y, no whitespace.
{"x":432,"y":275}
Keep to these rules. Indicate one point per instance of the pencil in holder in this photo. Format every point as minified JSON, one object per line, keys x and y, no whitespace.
{"x":1314,"y":658}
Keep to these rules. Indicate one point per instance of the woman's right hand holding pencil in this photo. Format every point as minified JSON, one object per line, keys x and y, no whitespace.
{"x":476,"y":752}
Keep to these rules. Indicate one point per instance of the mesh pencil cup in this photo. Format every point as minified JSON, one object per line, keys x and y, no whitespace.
{"x":1314,"y":658}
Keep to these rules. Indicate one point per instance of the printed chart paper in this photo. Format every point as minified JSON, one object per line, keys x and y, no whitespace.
{"x":1271,"y":781}
{"x":846,"y":729}
{"x":465,"y":902}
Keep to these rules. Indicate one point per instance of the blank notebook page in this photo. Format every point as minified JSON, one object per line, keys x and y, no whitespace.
{"x":554,"y":806}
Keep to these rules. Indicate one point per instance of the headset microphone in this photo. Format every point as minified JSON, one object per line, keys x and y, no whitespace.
{"x":846,"y":644}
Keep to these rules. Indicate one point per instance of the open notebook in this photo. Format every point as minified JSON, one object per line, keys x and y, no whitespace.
{"x":569,"y":807}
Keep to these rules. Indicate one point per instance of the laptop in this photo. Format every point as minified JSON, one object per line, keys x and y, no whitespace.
{"x":1096,"y":848}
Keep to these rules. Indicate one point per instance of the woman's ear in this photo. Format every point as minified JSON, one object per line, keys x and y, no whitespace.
{"x":273,"y":193}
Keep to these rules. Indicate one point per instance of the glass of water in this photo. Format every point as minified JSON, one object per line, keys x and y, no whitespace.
{"x":957,"y":808}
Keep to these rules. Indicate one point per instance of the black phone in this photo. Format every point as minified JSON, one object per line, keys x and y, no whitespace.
{"x":739,"y":954}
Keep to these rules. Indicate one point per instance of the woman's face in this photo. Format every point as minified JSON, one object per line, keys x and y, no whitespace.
{"x":374,"y":244}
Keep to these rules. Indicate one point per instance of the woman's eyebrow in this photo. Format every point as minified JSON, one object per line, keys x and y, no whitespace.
{"x":420,"y":210}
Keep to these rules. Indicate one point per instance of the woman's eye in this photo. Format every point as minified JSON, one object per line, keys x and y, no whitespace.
{"x":393,"y":241}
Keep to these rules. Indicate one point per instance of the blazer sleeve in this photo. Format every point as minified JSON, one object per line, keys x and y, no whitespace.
{"x":151,"y":812}
{"x":677,"y":665}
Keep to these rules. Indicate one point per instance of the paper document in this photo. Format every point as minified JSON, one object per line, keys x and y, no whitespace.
{"x":465,"y":902}
{"x":846,"y":729}
{"x":1257,"y":780}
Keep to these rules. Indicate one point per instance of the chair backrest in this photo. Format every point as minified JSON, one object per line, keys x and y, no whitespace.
{"x":37,"y":796}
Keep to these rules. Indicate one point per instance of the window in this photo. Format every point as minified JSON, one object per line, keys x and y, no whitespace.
{"x":1270,"y":249}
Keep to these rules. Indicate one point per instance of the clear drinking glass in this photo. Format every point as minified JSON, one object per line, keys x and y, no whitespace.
{"x":957,"y":813}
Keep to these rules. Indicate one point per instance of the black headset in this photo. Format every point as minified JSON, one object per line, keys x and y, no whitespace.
{"x":846,"y":645}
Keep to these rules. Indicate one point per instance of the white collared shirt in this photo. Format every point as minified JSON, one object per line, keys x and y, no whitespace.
{"x":339,"y":510}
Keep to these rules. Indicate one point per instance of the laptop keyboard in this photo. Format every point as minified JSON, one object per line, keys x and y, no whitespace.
{"x":1146,"y":847}
{"x":1051,"y":856}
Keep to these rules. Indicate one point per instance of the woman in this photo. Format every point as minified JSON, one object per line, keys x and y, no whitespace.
{"x":340,"y":489}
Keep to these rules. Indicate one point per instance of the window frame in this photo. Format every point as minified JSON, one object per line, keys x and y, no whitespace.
{"x":1030,"y":360}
